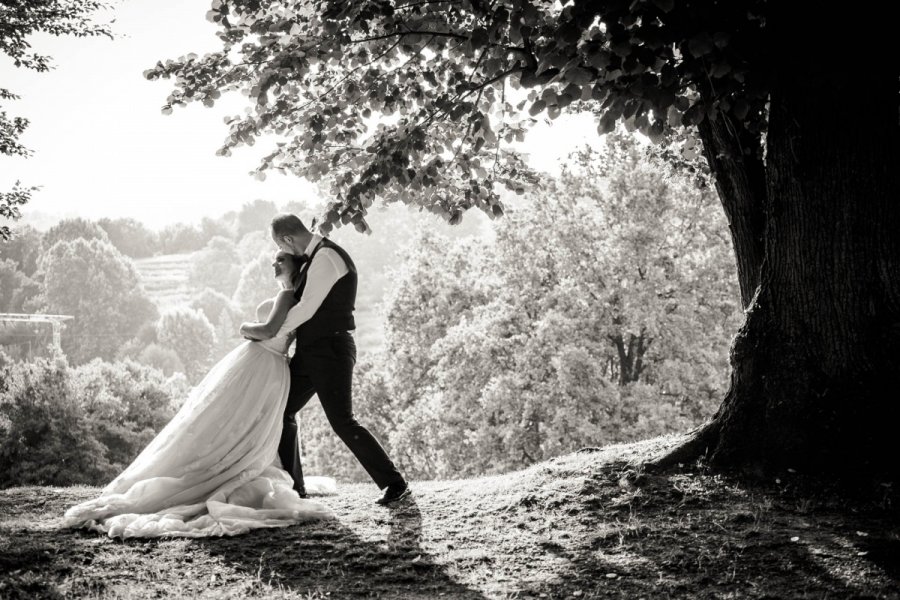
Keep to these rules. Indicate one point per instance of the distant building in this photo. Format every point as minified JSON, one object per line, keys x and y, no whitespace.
{"x":25,"y":336}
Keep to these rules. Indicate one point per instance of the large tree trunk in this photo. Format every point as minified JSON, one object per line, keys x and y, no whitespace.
{"x":733,"y":156}
{"x":815,"y":366}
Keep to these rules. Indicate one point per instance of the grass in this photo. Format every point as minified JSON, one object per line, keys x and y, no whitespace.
{"x":572,"y":527}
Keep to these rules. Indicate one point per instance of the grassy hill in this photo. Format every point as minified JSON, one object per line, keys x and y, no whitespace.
{"x":572,"y":527}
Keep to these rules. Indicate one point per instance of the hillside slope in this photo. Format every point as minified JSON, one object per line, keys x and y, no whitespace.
{"x":165,"y":278}
{"x":567,"y":528}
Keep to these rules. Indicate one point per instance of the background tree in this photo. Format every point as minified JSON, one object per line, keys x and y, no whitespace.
{"x":18,"y":21}
{"x":45,"y":435}
{"x":257,"y":283}
{"x":505,"y":352}
{"x":130,"y":237}
{"x":126,"y":404}
{"x":77,"y":228}
{"x":812,"y":226}
{"x":161,"y":358}
{"x":253,"y":244}
{"x":24,"y":248}
{"x":216,"y":267}
{"x":96,"y":284}
{"x":221,"y":227}
{"x":189,"y":333}
{"x":181,"y":238}
{"x":15,"y":287}
{"x":255,"y":216}
{"x":61,"y":425}
{"x":212,"y":303}
{"x":225,"y":318}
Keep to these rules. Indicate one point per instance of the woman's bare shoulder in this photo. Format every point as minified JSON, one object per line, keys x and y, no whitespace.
{"x":264,"y":308}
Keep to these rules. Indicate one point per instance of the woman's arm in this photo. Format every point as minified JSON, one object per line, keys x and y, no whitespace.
{"x":263,"y":331}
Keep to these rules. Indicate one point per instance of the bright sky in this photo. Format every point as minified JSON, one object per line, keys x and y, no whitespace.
{"x":103,"y":149}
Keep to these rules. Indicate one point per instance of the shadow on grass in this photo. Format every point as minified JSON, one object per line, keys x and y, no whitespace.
{"x":670,"y":537}
{"x":326,"y":557}
{"x":309,"y":560}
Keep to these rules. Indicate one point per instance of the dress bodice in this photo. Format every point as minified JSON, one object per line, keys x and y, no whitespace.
{"x":278,"y":344}
{"x":281,"y":342}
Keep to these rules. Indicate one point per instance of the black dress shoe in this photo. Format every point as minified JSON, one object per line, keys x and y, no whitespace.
{"x":394,"y":493}
{"x":302,"y":493}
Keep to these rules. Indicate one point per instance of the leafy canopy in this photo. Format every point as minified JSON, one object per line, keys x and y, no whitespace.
{"x":510,"y":350}
{"x":421,"y":101}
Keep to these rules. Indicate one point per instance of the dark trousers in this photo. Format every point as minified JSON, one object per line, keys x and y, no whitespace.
{"x":325,"y":367}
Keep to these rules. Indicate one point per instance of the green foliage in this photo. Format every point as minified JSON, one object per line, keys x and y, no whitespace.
{"x":23,"y":248}
{"x":600,"y":312}
{"x":212,"y":304}
{"x":216,"y":266}
{"x":189,"y":333}
{"x":257,"y":283}
{"x":15,"y":287}
{"x":225,"y":318}
{"x":253,"y":244}
{"x":12,"y":201}
{"x":180,"y":238}
{"x":161,"y":358}
{"x":452,"y":86}
{"x":221,"y":227}
{"x":126,"y":403}
{"x":130,"y":237}
{"x":145,"y":336}
{"x":96,"y":284}
{"x":45,"y":436}
{"x":63,"y":426}
{"x":69,"y":230}
{"x":255,"y":217}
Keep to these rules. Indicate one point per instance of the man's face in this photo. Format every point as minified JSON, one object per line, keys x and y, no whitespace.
{"x":284,"y":243}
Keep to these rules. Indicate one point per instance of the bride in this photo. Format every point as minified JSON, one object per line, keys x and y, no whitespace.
{"x":214,"y":469}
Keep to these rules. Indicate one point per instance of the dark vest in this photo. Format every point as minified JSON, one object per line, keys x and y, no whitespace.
{"x":336,"y":310}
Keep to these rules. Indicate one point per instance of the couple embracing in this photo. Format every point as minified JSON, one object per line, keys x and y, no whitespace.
{"x":229,"y":460}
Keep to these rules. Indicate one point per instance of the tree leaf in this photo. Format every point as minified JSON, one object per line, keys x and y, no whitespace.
{"x":578,"y":75}
{"x":607,"y":124}
{"x":694,"y":115}
{"x":537,"y":107}
{"x":700,"y":45}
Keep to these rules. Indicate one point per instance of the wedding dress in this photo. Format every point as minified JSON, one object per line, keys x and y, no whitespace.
{"x":214,"y":469}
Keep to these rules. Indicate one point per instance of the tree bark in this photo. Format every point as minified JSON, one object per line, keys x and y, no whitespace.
{"x":733,"y":156}
{"x":814,"y":367}
{"x":631,"y":359}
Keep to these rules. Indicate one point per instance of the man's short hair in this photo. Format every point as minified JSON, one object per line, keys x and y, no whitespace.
{"x":287,"y":224}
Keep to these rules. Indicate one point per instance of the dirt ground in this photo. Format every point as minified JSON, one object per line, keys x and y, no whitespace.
{"x":573,"y":527}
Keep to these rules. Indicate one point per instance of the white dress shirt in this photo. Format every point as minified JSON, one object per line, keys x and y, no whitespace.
{"x":322,"y":273}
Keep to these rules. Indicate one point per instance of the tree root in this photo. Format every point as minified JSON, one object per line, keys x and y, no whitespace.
{"x":694,"y":448}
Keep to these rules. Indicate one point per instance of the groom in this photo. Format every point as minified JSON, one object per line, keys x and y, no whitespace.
{"x":326,"y":354}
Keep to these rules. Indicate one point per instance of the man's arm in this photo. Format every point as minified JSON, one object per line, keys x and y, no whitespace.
{"x":325,"y":269}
